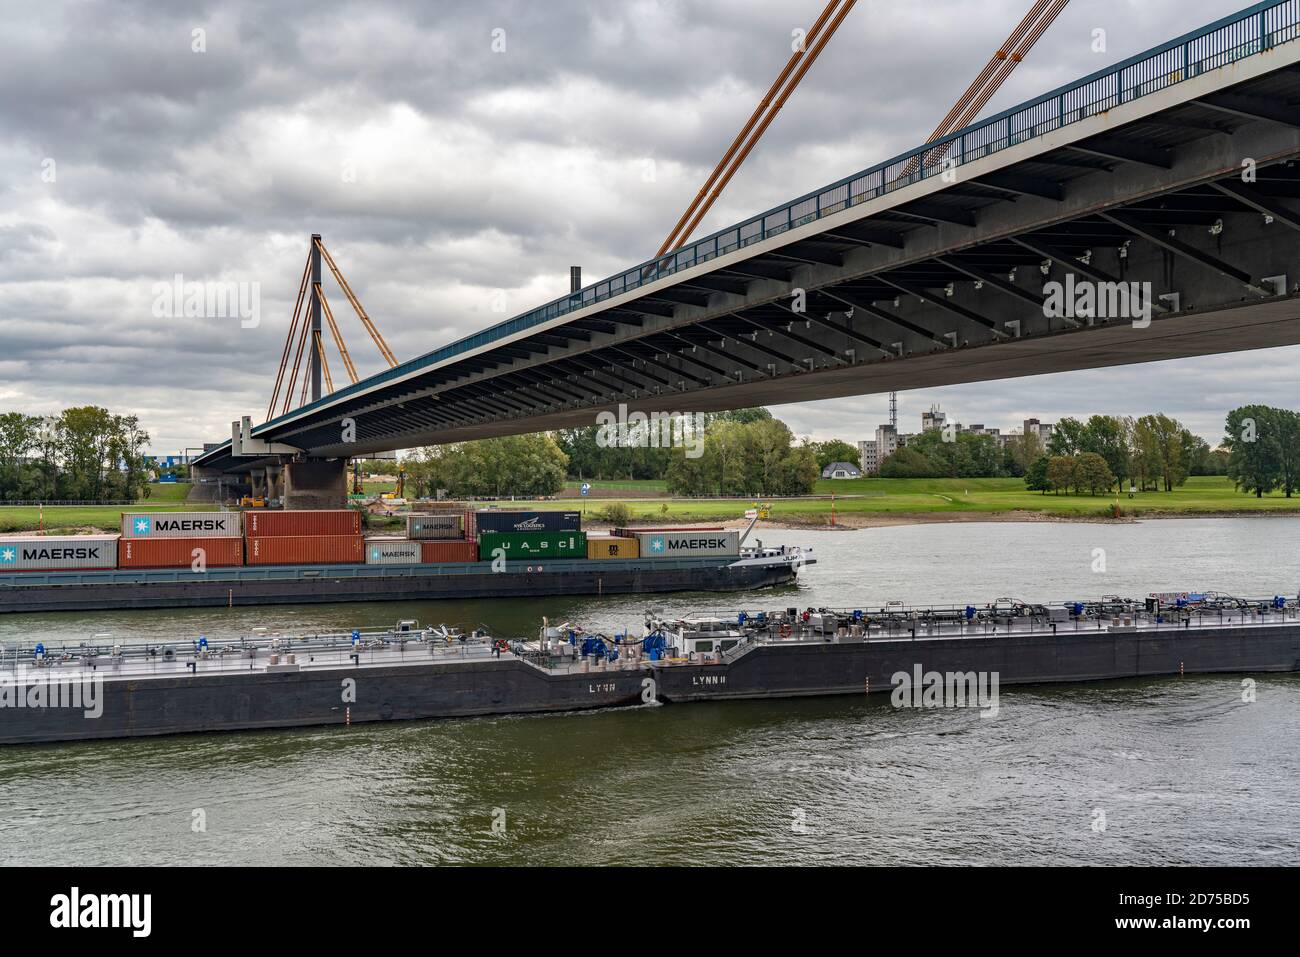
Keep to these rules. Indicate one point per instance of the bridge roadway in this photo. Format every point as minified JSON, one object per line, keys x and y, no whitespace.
{"x":1176,"y":168}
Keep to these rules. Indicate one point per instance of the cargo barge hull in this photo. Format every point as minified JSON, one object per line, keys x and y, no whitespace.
{"x":432,"y":680}
{"x":240,"y":587}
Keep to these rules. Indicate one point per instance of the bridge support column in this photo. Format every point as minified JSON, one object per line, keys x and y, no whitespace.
{"x":315,"y":483}
{"x":274,"y":482}
{"x":207,"y":485}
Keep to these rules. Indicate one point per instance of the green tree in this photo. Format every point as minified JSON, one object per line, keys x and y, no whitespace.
{"x":509,"y":466}
{"x":756,"y":457}
{"x":1068,"y":438}
{"x":1254,"y":449}
{"x":835,"y":450}
{"x":743,"y":416}
{"x":1110,"y":437}
{"x":1164,"y":448}
{"x":126,"y":452}
{"x":86,"y":435}
{"x":1062,"y":471}
{"x":18,"y":441}
{"x":1092,"y":473}
{"x":1286,"y":425}
{"x":1036,"y":476}
{"x":1023,"y":451}
{"x":907,"y":462}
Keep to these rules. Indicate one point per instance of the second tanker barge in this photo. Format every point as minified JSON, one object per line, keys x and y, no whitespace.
{"x":132,"y":691}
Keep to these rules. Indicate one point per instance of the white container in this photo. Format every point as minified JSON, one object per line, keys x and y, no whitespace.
{"x":182,"y":525}
{"x":689,"y":544}
{"x":381,"y":551}
{"x":57,"y":553}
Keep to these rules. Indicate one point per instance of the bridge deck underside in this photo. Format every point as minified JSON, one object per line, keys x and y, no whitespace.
{"x":947,"y":282}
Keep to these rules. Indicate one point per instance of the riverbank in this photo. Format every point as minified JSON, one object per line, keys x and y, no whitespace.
{"x":866,"y":503}
{"x":858,"y":503}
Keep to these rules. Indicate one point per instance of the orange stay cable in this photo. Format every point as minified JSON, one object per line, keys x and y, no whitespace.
{"x":356,"y":305}
{"x":338,"y":336}
{"x":804,"y":66}
{"x":809,"y":38}
{"x":297,"y":362}
{"x":288,"y":339}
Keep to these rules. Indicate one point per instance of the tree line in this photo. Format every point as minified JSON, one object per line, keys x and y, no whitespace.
{"x":510,"y":466}
{"x":83,"y":454}
{"x":745,"y":458}
{"x":591,"y":458}
{"x":742,"y":453}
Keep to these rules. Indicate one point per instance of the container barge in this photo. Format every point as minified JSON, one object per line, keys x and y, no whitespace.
{"x":169,"y":560}
{"x":118,"y":691}
{"x":294,"y":584}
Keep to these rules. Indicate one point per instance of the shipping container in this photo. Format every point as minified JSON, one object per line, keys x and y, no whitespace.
{"x":179,"y":552}
{"x":439,"y":525}
{"x":305,"y":550}
{"x":691,"y":544}
{"x":57,"y":553}
{"x":389,"y":551}
{"x":519,"y":545}
{"x":500,"y":520}
{"x":604,"y":546}
{"x":258,"y":524}
{"x":181,"y":525}
{"x":439,"y":552}
{"x":628,"y":532}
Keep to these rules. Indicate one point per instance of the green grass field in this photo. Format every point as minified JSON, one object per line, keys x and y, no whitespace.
{"x":631,"y":486}
{"x":1201,"y":495}
{"x":162,"y":497}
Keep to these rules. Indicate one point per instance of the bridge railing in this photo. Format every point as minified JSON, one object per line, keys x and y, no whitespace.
{"x":1256,"y":29}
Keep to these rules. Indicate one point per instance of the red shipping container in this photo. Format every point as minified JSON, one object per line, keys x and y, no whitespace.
{"x":325,"y":522}
{"x":305,"y":550}
{"x":448,"y":551}
{"x":179,"y":552}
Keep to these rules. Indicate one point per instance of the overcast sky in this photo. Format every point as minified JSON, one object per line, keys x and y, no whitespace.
{"x":440,"y":171}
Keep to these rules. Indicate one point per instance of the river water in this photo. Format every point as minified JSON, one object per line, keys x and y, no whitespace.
{"x":1172,"y":771}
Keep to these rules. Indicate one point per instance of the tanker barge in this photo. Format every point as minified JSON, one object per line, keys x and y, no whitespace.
{"x":120,"y":691}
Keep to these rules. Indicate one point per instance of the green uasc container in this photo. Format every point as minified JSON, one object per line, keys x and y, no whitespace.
{"x":532,"y":545}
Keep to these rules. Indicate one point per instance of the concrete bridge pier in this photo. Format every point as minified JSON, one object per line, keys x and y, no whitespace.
{"x":267,"y":481}
{"x":274,"y":481}
{"x":315,"y":483}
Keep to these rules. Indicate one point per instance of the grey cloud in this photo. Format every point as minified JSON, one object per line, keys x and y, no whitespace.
{"x":475,"y":172}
